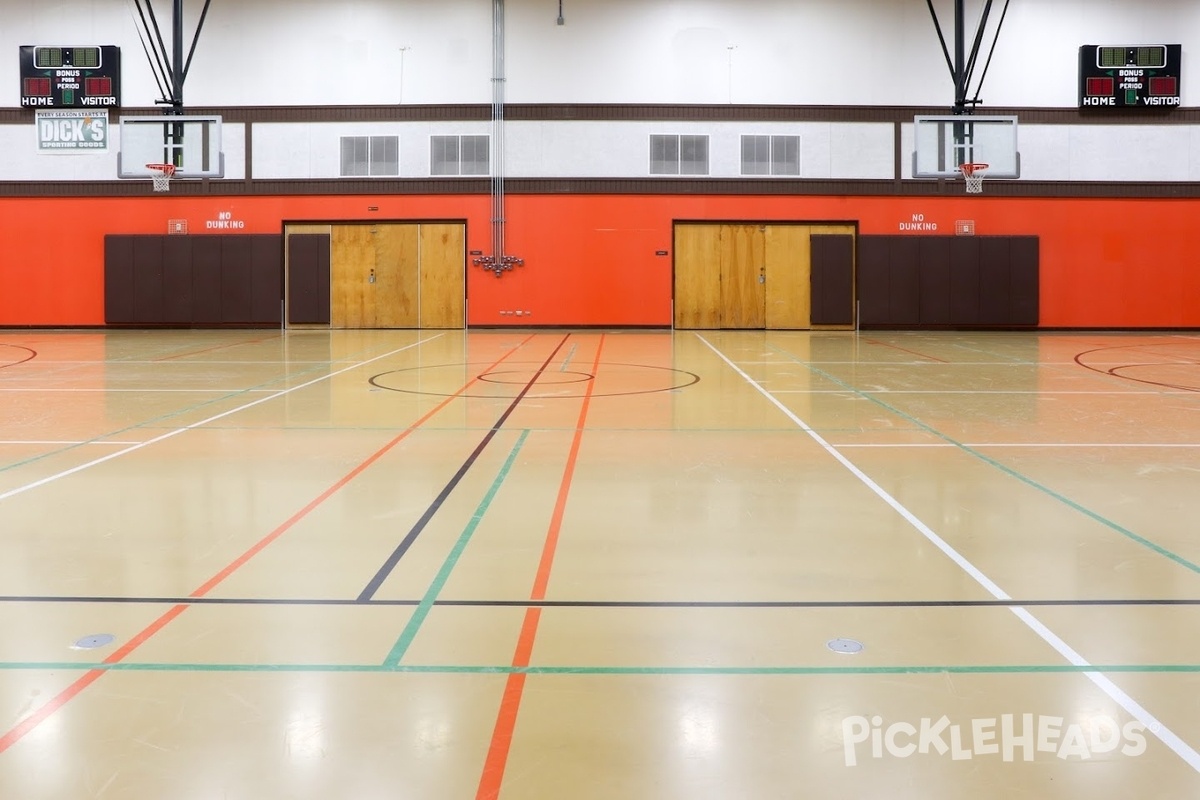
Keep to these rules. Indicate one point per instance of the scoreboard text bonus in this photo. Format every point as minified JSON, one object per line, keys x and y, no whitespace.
{"x":1137,"y":76}
{"x":70,"y":77}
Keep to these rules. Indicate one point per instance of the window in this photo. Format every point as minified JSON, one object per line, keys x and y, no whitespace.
{"x":459,"y":155}
{"x":672,"y":154}
{"x":370,"y":156}
{"x":770,"y":155}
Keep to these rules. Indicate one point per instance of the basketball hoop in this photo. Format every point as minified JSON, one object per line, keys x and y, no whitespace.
{"x":162,"y":176}
{"x":974,"y":174}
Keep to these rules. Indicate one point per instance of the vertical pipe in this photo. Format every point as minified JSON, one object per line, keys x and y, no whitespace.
{"x":177,"y":56}
{"x":960,"y":80}
{"x":177,"y":81}
{"x":960,"y":59}
{"x":497,"y":158}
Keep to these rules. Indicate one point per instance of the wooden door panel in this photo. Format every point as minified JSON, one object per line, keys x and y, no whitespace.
{"x":443,"y":264}
{"x":397,"y":274}
{"x":743,"y":274}
{"x":697,"y":277}
{"x":788,"y":290}
{"x":352,"y":257}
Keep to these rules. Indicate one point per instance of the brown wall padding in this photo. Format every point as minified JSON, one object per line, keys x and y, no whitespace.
{"x":206,"y":279}
{"x":995,"y":277}
{"x":832,"y":279}
{"x":177,"y":279}
{"x":874,"y":282}
{"x":935,"y":280}
{"x":118,"y":279}
{"x":1025,"y":289}
{"x":948,"y":280}
{"x":266,"y":279}
{"x":147,"y":279}
{"x":905,"y":297}
{"x":197,"y":280}
{"x":236,"y":275}
{"x":964,"y":280}
{"x":308,"y":278}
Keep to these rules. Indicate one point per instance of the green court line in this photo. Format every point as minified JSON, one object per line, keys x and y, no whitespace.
{"x":147,"y":425}
{"x":1007,"y":470}
{"x":460,"y":669}
{"x":439,"y":581}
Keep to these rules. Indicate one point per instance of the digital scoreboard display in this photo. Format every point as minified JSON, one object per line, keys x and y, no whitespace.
{"x":70,"y":77}
{"x":1129,"y":76}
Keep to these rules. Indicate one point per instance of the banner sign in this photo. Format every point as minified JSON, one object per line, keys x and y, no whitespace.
{"x":72,"y":131}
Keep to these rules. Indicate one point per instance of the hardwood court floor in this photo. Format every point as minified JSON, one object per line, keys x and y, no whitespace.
{"x":559,"y":564}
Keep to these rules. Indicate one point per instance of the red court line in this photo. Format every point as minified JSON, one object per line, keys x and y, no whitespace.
{"x":906,"y":350}
{"x":215,"y":347}
{"x":510,"y":703}
{"x":88,"y":678}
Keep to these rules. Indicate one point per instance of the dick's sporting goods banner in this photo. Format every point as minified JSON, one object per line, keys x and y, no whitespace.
{"x":72,"y":131}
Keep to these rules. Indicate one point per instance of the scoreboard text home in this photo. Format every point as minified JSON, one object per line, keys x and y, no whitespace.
{"x":1129,"y":76}
{"x":70,"y":77}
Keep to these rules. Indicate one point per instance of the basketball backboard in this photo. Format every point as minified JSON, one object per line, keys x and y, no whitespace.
{"x":191,"y":143}
{"x":943,"y":144}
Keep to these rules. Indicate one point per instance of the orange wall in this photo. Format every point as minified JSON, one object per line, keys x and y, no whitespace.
{"x":590,"y":260}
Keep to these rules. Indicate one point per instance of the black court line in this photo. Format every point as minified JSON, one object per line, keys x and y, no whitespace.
{"x":373,"y":585}
{"x":32,"y":354}
{"x":318,"y":601}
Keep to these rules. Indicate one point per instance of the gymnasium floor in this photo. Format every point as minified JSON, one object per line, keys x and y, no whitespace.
{"x":557,"y":564}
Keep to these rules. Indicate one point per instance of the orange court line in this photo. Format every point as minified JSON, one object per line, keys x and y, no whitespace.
{"x":510,"y":703}
{"x":17,"y":732}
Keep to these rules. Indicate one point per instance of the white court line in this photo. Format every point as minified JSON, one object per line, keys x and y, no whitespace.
{"x":1132,"y":391}
{"x":1018,"y":444}
{"x":1135,"y":709}
{"x":175,"y":432}
{"x":925,"y":363}
{"x":139,"y":391}
{"x":109,"y":364}
{"x":47,"y":441}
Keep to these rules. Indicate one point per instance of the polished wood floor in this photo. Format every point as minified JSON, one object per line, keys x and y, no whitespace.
{"x":557,"y":564}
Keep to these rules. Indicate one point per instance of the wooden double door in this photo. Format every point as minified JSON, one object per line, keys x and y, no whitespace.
{"x":764,"y":276}
{"x":377,"y":275}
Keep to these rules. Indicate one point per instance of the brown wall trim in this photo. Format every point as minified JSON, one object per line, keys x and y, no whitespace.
{"x":665,"y":113}
{"x":632,"y":186}
{"x":611,"y":186}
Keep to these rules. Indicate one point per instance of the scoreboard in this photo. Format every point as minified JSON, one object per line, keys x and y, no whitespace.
{"x":1129,"y":76}
{"x":70,"y":77}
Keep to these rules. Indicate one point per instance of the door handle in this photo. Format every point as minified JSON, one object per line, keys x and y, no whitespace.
{"x":762,"y":278}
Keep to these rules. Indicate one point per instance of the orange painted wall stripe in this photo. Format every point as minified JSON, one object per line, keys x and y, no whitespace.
{"x":494,"y":765}
{"x":591,"y":259}
{"x":21,"y":729}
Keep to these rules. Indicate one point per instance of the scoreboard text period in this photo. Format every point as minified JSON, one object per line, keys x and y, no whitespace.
{"x":70,"y":77}
{"x":1129,"y":76}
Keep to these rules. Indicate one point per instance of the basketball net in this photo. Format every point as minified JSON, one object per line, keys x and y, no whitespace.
{"x":974,"y":174}
{"x":161,"y":175}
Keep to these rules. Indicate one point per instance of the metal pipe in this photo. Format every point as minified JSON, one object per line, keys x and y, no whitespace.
{"x":177,"y":55}
{"x":196,"y":39}
{"x":498,"y":131}
{"x":498,"y":262}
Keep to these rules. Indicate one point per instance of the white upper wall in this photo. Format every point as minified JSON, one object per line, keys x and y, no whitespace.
{"x":804,"y":52}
